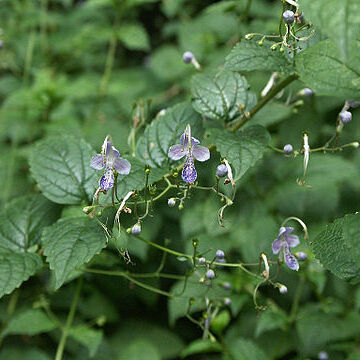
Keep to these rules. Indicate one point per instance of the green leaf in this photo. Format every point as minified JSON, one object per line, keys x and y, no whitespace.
{"x":339,"y":20}
{"x":320,"y":67}
{"x":71,"y":242}
{"x":316,"y":328}
{"x":219,"y":96}
{"x":29,"y":322}
{"x":165,"y":131}
{"x":137,"y":351}
{"x":337,"y":247}
{"x":249,"y":56}
{"x":21,"y":225}
{"x":23,"y":353}
{"x":242,"y":149}
{"x":221,"y":321}
{"x":243,"y":349}
{"x":20,"y":265}
{"x":61,"y":167}
{"x":134,"y":36}
{"x":271,"y":319}
{"x":201,"y":347}
{"x":88,"y":337}
{"x":22,"y":221}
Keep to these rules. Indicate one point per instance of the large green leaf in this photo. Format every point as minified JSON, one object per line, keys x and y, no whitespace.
{"x":71,"y":242}
{"x":337,"y":247}
{"x":61,"y":167}
{"x":219,"y":96}
{"x":244,"y":349}
{"x":249,"y":56}
{"x":242,"y":149}
{"x":339,"y":20}
{"x":21,"y":225}
{"x":16,"y":268}
{"x":165,"y":131}
{"x":133,"y":36}
{"x":22,"y":221}
{"x":29,"y":322}
{"x":320,"y":67}
{"x":88,"y":337}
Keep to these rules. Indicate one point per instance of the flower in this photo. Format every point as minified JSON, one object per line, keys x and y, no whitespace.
{"x":191,"y":150}
{"x":283,"y":243}
{"x":110,"y":160}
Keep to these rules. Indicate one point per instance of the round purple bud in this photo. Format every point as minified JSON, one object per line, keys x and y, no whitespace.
{"x":227,"y":301}
{"x":323,"y":355}
{"x":227,"y":285}
{"x":301,"y":256}
{"x":353,"y":104}
{"x":136,"y":229}
{"x":307,"y":92}
{"x":288,"y":149}
{"x":220,"y":254}
{"x":288,"y":16}
{"x":188,"y":56}
{"x":221,"y":170}
{"x":210,"y":274}
{"x":345,"y":117}
{"x":202,"y":261}
{"x":171,"y":202}
{"x":282,"y":289}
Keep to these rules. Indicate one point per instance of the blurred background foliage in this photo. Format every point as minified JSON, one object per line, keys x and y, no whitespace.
{"x":79,"y":67}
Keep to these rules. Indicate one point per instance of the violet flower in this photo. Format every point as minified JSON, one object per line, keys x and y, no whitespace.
{"x":190,"y":149}
{"x":110,"y":160}
{"x":283,"y":243}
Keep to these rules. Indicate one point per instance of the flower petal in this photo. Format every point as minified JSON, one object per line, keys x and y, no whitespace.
{"x":111,"y":154}
{"x":184,"y":140}
{"x":122,"y":166}
{"x":292,"y":240}
{"x":97,"y":162}
{"x":201,"y":153}
{"x":189,"y":173}
{"x":107,"y":180}
{"x":290,"y":260}
{"x":277,"y":245}
{"x":176,"y":152}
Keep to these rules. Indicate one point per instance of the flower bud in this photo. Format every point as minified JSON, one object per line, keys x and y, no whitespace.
{"x":323,"y":355}
{"x":306,"y":92}
{"x":171,"y":202}
{"x":221,"y":170}
{"x":188,"y":56}
{"x":249,"y":36}
{"x":288,"y":149}
{"x":345,"y":117}
{"x":227,"y":285}
{"x":301,"y":256}
{"x":261,"y":42}
{"x":210,"y":274}
{"x":283,"y":289}
{"x":274,"y":47}
{"x":136,"y":229}
{"x":227,"y":301}
{"x":202,"y":261}
{"x":288,"y":16}
{"x":220,"y":254}
{"x":88,"y":209}
{"x":180,"y":207}
{"x":355,"y":144}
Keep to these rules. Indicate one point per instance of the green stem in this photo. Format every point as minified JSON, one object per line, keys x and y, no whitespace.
{"x":70,"y":318}
{"x":275,"y":90}
{"x":295,"y":304}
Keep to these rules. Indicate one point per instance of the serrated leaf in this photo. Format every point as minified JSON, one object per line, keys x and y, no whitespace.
{"x":88,"y":337}
{"x":339,"y":20}
{"x":21,"y":224}
{"x":134,"y":36}
{"x":22,"y":221}
{"x":29,"y":322}
{"x":69,"y":243}
{"x":16,"y":268}
{"x":61,"y":167}
{"x":337,"y":248}
{"x":219,"y":96}
{"x":165,"y":131}
{"x":242,"y":149}
{"x":320,"y":67}
{"x":249,"y":56}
